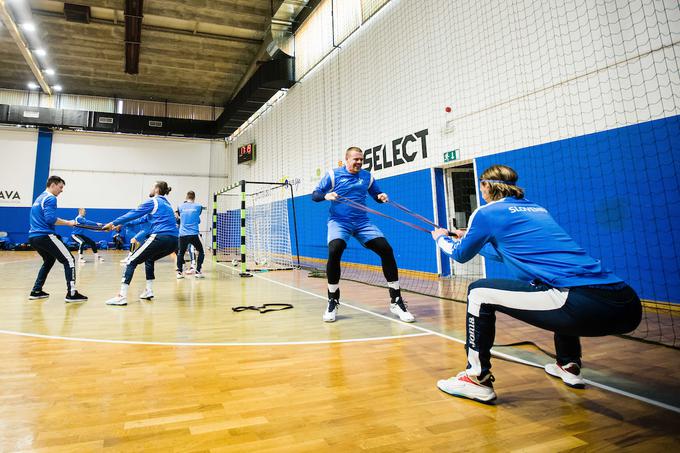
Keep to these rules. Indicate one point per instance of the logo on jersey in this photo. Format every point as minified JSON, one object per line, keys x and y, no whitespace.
{"x":514,"y":209}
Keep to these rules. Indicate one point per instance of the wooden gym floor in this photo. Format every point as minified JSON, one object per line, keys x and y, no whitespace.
{"x":186,"y":373}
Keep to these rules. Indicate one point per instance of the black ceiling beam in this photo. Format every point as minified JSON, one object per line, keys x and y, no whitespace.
{"x":269,"y":78}
{"x":133,"y":34}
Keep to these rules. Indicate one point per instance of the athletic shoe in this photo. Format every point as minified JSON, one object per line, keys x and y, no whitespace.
{"x":331,"y":311}
{"x":147,"y":294}
{"x":118,"y":300}
{"x":101,"y":258}
{"x":199,"y":275}
{"x":569,"y":373}
{"x":75,"y":297}
{"x":179,"y":275}
{"x":399,"y":308}
{"x":190,"y":271}
{"x":82,"y":260}
{"x":38,"y":295}
{"x":464,"y":386}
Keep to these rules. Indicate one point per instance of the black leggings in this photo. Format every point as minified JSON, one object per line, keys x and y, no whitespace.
{"x":51,"y":249}
{"x":184,"y":242}
{"x":82,"y":241}
{"x":378,"y":245}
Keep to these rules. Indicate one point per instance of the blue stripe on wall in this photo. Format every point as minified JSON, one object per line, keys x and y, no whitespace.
{"x":617,"y":193}
{"x":441,"y":215}
{"x":15,"y":221}
{"x":42,"y":161}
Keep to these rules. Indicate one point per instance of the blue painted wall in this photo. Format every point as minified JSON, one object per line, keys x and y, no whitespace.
{"x":16,"y":222}
{"x":42,"y":161}
{"x":617,"y":193}
{"x":412,"y":248}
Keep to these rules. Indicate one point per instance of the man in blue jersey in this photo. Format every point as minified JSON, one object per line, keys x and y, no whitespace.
{"x":162,"y":239}
{"x":48,"y":244}
{"x":78,"y":235}
{"x":559,"y":287}
{"x":189,"y":214}
{"x":345,"y":221}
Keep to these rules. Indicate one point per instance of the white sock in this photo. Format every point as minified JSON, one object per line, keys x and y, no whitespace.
{"x":80,"y":256}
{"x":124,"y":289}
{"x":333,"y":288}
{"x":393,"y":285}
{"x":149,"y":285}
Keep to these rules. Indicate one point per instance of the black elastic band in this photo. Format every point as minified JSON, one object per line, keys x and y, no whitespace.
{"x":263,"y":308}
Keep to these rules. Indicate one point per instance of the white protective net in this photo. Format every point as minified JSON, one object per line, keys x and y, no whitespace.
{"x":266,"y":244}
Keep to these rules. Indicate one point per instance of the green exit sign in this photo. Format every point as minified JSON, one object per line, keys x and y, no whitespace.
{"x":450,"y":156}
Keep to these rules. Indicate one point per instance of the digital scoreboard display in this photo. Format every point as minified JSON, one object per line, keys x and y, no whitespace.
{"x":246,"y":153}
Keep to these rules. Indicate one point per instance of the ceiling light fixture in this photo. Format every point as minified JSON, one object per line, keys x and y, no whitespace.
{"x":28,"y":26}
{"x":40,"y":52}
{"x":56,"y":87}
{"x":49,"y":71}
{"x":32,"y":86}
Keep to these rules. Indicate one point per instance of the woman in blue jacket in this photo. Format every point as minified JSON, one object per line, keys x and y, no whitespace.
{"x":558,"y":286}
{"x":162,"y":239}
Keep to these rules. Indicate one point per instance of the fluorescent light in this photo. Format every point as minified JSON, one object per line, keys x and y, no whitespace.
{"x":28,"y":26}
{"x":56,"y":87}
{"x":40,"y":52}
{"x":49,"y":71}
{"x":32,"y":86}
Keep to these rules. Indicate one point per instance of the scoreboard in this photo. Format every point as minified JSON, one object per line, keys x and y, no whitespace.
{"x":246,"y":153}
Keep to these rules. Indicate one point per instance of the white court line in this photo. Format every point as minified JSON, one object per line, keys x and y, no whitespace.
{"x":170,"y":343}
{"x":495,"y":353}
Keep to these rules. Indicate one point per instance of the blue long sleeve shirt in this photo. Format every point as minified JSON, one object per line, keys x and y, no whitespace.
{"x":43,"y":215}
{"x":525,"y":237}
{"x":348,"y":185}
{"x":189,"y":218}
{"x":160,"y":212}
{"x":80,"y":220}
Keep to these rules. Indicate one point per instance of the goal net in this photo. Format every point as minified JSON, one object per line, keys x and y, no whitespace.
{"x":252,"y":226}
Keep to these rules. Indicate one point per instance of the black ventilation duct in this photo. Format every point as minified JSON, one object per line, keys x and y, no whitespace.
{"x":133,"y":34}
{"x":77,"y":13}
{"x":269,"y":78}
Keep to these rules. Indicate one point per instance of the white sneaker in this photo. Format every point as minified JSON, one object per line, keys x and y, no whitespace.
{"x":399,"y":308}
{"x":118,"y":300}
{"x":199,"y":275}
{"x":569,"y":373}
{"x":100,"y":258}
{"x":147,"y":294}
{"x":82,"y":260}
{"x":190,"y":271}
{"x":180,"y":275}
{"x":464,"y":386}
{"x":331,"y":311}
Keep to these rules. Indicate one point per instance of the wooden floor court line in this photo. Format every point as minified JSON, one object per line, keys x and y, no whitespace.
{"x":457,"y":340}
{"x":199,"y":344}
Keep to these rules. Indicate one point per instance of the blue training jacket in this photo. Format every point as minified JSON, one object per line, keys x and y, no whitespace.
{"x":160,"y":212}
{"x":83,"y":221}
{"x":348,"y":185}
{"x":525,"y":237}
{"x":144,"y":224}
{"x":189,"y":218}
{"x":43,"y":215}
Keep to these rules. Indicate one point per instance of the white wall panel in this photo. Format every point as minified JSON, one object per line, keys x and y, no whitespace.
{"x":516,"y":74}
{"x":17,"y":166}
{"x":117,"y":171}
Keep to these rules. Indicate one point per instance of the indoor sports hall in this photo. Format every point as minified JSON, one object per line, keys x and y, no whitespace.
{"x":370,"y":194}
